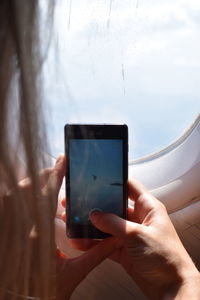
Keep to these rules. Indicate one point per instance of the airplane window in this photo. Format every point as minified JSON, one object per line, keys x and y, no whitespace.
{"x":134,"y":62}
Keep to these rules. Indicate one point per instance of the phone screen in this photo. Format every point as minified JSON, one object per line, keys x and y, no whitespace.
{"x":96,"y":180}
{"x":96,"y":177}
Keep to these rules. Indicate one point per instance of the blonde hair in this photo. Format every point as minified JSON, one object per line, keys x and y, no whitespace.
{"x":27,"y":246}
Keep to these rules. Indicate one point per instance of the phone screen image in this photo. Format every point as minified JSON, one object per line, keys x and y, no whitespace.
{"x":96,"y":177}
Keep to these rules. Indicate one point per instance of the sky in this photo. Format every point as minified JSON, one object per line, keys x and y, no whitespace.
{"x":134,"y":62}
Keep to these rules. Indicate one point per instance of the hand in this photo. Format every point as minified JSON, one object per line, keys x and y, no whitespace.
{"x":71,"y":271}
{"x":149,"y":248}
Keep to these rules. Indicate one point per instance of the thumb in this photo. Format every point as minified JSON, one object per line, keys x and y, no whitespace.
{"x":114,"y":225}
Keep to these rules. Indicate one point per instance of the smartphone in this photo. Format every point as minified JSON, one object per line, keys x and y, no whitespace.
{"x":96,"y":176}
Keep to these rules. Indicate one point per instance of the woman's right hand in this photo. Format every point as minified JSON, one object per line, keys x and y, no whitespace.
{"x":149,"y":248}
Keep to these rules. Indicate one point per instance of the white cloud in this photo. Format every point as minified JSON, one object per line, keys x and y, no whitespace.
{"x":137,"y":64}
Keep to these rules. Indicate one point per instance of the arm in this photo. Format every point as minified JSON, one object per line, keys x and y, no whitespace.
{"x":189,"y":288}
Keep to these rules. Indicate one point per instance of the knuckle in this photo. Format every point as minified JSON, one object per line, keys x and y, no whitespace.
{"x":162,"y":207}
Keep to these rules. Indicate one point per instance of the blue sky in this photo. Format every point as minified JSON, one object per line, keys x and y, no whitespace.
{"x":133,"y":62}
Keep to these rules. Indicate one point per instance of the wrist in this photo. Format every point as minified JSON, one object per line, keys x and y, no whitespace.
{"x":187,"y":288}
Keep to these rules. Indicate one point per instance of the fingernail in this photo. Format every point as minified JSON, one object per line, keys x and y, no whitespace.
{"x":59,"y":159}
{"x":95,"y":215}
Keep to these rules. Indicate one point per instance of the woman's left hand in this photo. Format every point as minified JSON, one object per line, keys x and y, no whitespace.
{"x":71,"y":271}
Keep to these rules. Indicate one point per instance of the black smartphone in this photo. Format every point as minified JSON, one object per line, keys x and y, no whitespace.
{"x":96,"y":176}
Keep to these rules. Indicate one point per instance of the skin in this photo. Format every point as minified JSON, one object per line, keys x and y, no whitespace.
{"x":74,"y":268}
{"x":146,"y":245}
{"x":148,"y":248}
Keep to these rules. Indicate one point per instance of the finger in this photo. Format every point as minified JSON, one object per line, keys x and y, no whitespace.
{"x":43,"y":178}
{"x":64,"y":217}
{"x":134,"y":215}
{"x":83,"y":244}
{"x":145,"y":202}
{"x":131,"y":213}
{"x":63,"y":202}
{"x":93,"y":257}
{"x":114,"y":225}
{"x":136,"y":189}
{"x":60,"y":255}
{"x":79,"y":244}
{"x":56,"y":177}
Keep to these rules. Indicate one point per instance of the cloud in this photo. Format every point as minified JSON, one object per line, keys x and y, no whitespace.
{"x":135,"y":64}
